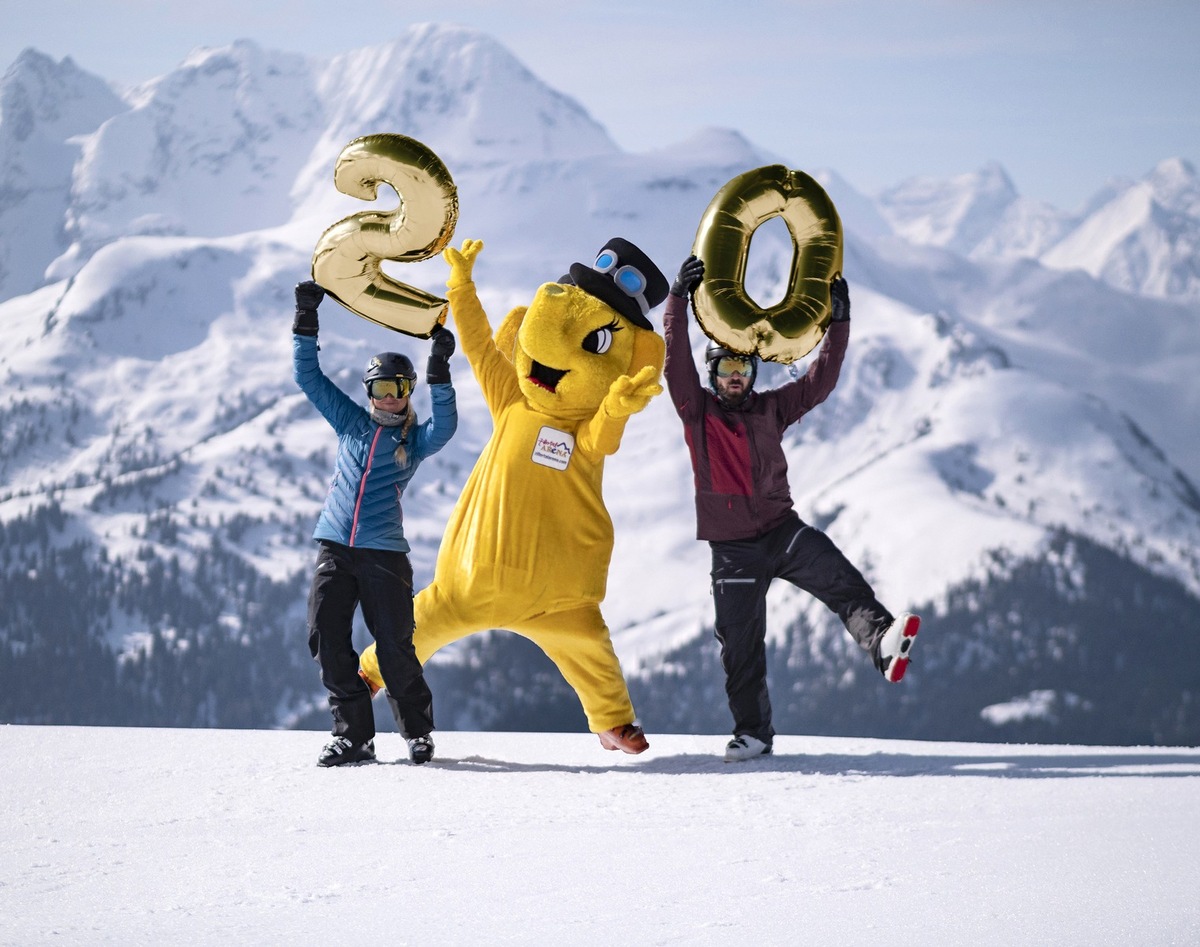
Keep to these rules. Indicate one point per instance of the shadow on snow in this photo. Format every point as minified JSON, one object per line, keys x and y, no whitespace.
{"x":1047,"y":765}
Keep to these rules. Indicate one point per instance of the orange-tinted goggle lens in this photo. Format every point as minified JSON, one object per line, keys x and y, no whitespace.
{"x":729,"y":364}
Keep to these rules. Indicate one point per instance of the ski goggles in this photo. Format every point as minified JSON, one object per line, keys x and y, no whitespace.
{"x":740,"y":364}
{"x":629,"y":279}
{"x":379,"y":388}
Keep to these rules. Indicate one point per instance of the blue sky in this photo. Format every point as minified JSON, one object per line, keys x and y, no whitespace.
{"x":1065,"y":95}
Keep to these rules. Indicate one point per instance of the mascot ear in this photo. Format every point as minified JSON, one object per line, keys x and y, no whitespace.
{"x":506,"y":335}
{"x":649,"y":348}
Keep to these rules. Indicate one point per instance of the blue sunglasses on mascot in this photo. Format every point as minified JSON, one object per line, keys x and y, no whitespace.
{"x":378,"y":388}
{"x":629,"y":279}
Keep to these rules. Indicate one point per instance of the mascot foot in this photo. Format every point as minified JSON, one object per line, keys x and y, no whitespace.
{"x":371,"y":685}
{"x":629,"y":738}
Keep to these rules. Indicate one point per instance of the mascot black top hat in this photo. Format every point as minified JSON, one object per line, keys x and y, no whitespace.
{"x":624,"y":278}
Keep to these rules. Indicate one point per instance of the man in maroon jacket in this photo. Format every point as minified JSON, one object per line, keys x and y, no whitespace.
{"x":744,"y":510}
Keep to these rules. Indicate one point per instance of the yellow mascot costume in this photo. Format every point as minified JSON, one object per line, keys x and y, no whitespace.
{"x":528,"y":545}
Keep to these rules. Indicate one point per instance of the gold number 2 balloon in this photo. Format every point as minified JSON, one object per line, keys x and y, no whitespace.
{"x":347,"y":259}
{"x":792,"y":327}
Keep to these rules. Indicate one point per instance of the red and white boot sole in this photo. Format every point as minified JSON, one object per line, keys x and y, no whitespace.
{"x":896,"y":646}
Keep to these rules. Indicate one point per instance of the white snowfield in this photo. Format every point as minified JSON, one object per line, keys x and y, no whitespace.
{"x":136,"y":836}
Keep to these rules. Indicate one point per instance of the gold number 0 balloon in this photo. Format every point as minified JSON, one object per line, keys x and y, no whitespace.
{"x":792,"y":328}
{"x":347,"y":259}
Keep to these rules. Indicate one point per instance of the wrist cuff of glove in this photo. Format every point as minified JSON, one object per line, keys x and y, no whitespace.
{"x":305,"y":322}
{"x":437,"y":371}
{"x":845,"y":317}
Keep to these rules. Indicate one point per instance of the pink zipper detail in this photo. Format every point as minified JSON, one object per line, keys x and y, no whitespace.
{"x":362,"y":484}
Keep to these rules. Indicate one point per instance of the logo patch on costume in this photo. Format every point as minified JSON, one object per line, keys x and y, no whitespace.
{"x":553,"y":448}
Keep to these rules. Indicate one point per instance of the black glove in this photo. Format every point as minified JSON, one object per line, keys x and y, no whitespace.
{"x":437,"y":369}
{"x":690,"y":275}
{"x":308,"y":298}
{"x":839,"y":298}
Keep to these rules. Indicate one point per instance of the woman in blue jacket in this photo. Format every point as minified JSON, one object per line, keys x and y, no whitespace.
{"x":363,"y":558}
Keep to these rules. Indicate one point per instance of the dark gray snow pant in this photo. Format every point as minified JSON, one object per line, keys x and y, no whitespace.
{"x":742,"y":571}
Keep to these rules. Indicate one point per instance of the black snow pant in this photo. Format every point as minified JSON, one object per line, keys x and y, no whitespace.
{"x":380,"y":580}
{"x":742,"y":571}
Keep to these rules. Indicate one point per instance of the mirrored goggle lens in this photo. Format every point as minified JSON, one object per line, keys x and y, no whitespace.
{"x":729,"y":364}
{"x":389,"y":388}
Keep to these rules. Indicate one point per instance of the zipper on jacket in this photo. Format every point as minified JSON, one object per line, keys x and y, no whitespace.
{"x":755,"y":486}
{"x":362,"y":484}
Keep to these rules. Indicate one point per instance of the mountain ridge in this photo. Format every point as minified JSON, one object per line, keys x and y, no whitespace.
{"x":990,"y":403}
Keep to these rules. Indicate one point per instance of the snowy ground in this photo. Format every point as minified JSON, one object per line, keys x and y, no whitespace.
{"x":129,"y":836}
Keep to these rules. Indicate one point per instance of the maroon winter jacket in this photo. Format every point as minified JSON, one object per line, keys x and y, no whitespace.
{"x":741,"y":473}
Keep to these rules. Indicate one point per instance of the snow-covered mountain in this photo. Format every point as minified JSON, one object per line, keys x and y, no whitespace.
{"x":1143,"y":237}
{"x":1138,"y":236}
{"x":977,"y":215}
{"x":1009,"y":449}
{"x":43,"y":107}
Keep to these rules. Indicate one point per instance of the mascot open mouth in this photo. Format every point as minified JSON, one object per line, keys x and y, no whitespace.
{"x":545,"y":377}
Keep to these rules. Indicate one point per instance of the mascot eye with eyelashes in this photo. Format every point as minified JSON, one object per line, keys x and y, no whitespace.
{"x":599,"y":341}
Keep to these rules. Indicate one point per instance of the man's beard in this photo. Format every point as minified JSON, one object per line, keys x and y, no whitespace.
{"x":733,"y":399}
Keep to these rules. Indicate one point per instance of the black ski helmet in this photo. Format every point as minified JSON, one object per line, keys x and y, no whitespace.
{"x":389,"y":365}
{"x":715,"y":352}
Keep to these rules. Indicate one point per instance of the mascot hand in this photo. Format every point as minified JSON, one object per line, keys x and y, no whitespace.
{"x":628,"y":395}
{"x":461,"y":262}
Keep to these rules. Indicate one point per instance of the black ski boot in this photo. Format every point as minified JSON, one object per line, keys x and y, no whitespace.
{"x":339,"y":750}
{"x":420,"y":749}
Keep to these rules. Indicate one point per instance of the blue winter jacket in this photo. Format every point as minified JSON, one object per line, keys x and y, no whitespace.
{"x":363,"y":505}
